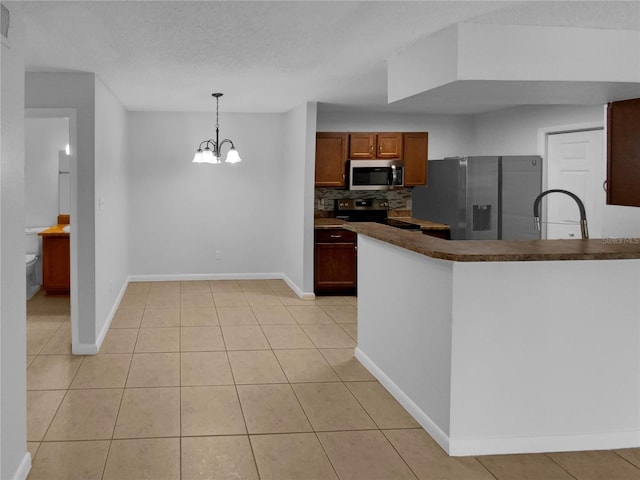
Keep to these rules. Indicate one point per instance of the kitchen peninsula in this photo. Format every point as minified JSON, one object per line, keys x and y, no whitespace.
{"x":504,"y":346}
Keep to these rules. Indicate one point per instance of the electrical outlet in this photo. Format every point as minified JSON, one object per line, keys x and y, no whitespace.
{"x":218,"y":255}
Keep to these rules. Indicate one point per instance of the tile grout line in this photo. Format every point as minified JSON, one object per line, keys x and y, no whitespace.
{"x":560,"y":466}
{"x":288,"y":382}
{"x":487,"y":469}
{"x":115,"y":423}
{"x":625,"y":459}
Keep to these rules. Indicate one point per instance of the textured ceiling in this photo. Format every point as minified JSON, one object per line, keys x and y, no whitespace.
{"x":265,"y":56}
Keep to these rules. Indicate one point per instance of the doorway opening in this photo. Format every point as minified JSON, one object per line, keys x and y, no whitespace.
{"x":50,"y":200}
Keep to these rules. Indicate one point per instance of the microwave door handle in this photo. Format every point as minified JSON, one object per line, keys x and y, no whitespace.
{"x":394,"y":176}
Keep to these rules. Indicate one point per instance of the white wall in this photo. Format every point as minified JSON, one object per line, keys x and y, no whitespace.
{"x":14,"y":459}
{"x":112,"y":205}
{"x":44,"y":138}
{"x":181,"y":213}
{"x":514,"y":131}
{"x":297,"y":207}
{"x":449,"y":135}
{"x":76,"y":90}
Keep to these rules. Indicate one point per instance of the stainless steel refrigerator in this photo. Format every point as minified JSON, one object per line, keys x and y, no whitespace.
{"x":482,"y":198}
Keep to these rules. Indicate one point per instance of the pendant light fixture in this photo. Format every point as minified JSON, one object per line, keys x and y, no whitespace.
{"x":211,"y":152}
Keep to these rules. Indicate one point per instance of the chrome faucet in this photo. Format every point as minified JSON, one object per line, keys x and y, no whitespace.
{"x":583,"y":214}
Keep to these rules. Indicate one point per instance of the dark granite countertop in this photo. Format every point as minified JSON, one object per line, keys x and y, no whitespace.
{"x":500,"y":250}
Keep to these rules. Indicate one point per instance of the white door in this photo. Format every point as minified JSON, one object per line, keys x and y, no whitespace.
{"x":574,"y":163}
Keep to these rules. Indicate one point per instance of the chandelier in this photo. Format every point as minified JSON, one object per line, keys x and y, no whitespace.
{"x":211,"y":152}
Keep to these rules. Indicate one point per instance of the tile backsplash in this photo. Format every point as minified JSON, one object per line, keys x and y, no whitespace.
{"x":399,"y":198}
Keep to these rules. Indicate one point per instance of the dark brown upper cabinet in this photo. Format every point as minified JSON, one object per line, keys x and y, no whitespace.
{"x":623,"y":153}
{"x":415,"y":146}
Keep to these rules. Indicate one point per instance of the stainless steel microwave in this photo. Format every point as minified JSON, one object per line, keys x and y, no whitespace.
{"x":375,"y":174}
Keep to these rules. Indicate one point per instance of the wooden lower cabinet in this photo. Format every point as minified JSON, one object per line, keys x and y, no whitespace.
{"x":56,"y":265}
{"x":335,"y":262}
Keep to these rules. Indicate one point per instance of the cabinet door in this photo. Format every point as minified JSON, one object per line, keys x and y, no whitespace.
{"x":362,"y":145}
{"x":415,"y":158}
{"x":389,"y":145}
{"x":623,"y":153}
{"x":331,"y":158}
{"x":56,"y":270}
{"x":335,"y":267}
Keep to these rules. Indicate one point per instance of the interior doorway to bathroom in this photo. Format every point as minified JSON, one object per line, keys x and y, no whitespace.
{"x":50,"y":194}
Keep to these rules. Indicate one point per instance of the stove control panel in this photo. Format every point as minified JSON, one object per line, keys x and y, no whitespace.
{"x":362,"y":204}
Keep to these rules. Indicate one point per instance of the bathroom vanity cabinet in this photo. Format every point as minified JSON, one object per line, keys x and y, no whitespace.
{"x":56,"y":265}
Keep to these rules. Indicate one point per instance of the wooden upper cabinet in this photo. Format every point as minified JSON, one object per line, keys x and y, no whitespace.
{"x":415,"y":147}
{"x":333,"y":150}
{"x":362,"y":145}
{"x":389,"y":145}
{"x":331,"y":158}
{"x":623,"y":153}
{"x":375,"y":145}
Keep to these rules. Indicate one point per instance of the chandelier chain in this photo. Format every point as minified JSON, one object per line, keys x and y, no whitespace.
{"x":217,"y":113}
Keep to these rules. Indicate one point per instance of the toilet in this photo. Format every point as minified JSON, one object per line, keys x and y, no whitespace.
{"x":33,"y":259}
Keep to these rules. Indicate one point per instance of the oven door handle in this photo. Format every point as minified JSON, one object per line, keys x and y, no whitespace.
{"x":394,"y":177}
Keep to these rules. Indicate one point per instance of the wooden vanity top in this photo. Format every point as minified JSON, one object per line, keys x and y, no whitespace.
{"x":55,"y":231}
{"x":501,"y":250}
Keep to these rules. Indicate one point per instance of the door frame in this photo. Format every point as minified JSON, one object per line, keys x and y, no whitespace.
{"x":543,"y":151}
{"x":71,"y":114}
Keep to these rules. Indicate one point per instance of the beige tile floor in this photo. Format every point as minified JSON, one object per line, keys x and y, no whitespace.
{"x":239,"y":380}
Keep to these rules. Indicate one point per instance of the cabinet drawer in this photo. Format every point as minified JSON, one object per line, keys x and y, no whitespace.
{"x":335,"y":235}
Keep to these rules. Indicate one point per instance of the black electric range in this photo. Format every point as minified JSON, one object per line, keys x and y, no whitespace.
{"x":369,"y":210}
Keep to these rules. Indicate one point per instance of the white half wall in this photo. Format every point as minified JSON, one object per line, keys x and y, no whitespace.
{"x":545,"y":356}
{"x":404,"y":329}
{"x":182,"y":213}
{"x":15,"y":461}
{"x":505,"y":357}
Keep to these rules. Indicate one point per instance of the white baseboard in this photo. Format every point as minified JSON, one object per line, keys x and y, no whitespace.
{"x":183,"y":277}
{"x":24,"y":468}
{"x":416,"y":412}
{"x":94,"y":348}
{"x":541,"y":444}
{"x":502,"y":445}
{"x":85,"y":349}
{"x":112,"y":313}
{"x":302,"y":295}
